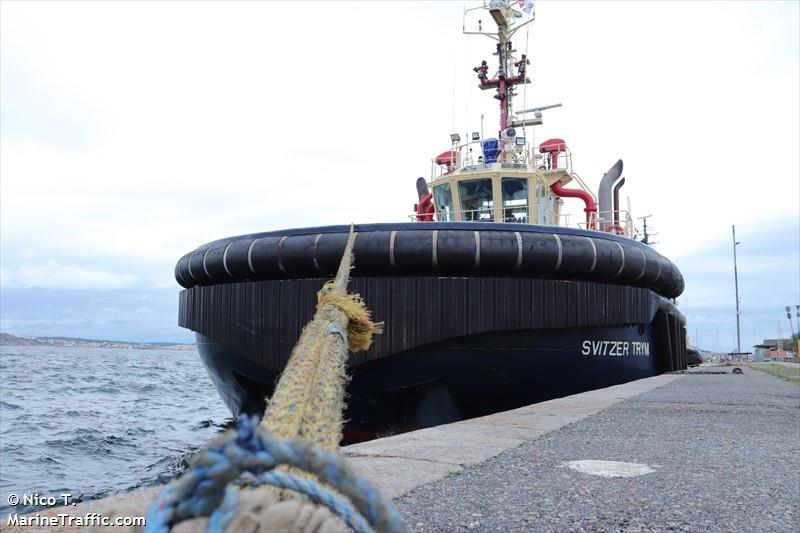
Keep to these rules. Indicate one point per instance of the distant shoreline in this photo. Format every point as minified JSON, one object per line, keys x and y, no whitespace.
{"x":6,"y":339}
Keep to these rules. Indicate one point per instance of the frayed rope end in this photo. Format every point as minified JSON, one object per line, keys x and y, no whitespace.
{"x":360,"y":327}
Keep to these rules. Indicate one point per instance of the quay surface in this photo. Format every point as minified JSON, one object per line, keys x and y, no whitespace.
{"x":722,"y":452}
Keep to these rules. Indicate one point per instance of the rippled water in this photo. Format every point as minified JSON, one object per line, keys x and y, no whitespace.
{"x":92,"y":421}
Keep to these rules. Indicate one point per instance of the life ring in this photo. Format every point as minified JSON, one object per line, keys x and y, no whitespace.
{"x":616,"y":228}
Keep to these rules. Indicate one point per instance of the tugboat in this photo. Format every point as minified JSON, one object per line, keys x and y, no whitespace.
{"x":491,"y":300}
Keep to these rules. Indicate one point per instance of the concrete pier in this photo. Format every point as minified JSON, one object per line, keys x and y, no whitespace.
{"x":722,"y":452}
{"x":404,"y":462}
{"x":682,"y":452}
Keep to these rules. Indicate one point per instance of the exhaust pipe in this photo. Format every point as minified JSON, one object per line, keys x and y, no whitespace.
{"x":605,"y":195}
{"x":617,"y":187}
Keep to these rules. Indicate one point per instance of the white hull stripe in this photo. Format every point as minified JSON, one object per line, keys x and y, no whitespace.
{"x":316,"y":251}
{"x":189,"y":266}
{"x":560,"y":252}
{"x":392,"y":239}
{"x":225,"y":259}
{"x":519,"y":250}
{"x":180,"y":277}
{"x":280,"y":248}
{"x":477,"y":235}
{"x":434,"y":249}
{"x":594,"y":254}
{"x":622,"y":265}
{"x":250,"y":257}
{"x":205,"y":254}
{"x":644,"y":265}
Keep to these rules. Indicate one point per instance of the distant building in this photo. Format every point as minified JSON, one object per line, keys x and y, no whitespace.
{"x":774,"y":344}
{"x":772,"y":350}
{"x":761,"y":352}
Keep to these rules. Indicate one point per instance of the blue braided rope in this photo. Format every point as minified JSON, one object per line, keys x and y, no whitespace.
{"x":203,"y":490}
{"x":222,"y":515}
{"x":316,"y":492}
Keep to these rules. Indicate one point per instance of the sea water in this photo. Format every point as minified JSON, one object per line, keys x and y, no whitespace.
{"x":93,"y":421}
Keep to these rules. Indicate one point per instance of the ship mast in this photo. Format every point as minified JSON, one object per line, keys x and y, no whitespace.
{"x":506,"y":17}
{"x":503,"y":92}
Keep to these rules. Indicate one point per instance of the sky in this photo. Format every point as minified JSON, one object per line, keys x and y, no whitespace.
{"x":132,"y":132}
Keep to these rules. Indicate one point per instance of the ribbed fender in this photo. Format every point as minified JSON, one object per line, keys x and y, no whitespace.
{"x":449,"y":249}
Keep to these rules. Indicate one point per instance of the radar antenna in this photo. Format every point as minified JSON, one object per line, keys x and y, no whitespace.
{"x":537,"y":116}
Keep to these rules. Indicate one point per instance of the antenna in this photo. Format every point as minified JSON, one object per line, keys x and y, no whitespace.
{"x":646,"y":237}
{"x":538,"y":110}
{"x":537,"y":114}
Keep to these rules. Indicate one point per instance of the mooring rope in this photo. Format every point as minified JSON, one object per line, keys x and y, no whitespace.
{"x":308,"y":402}
{"x":315,"y":492}
{"x":300,"y":432}
{"x":205,"y":490}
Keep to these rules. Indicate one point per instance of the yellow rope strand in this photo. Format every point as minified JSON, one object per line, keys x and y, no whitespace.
{"x":308,"y":402}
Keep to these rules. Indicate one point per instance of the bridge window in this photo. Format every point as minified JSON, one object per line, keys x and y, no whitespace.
{"x":443,"y":198}
{"x":515,"y":200}
{"x":476,"y":200}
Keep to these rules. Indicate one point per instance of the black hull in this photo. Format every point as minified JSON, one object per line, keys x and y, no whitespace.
{"x":460,"y":378}
{"x":454,"y":348}
{"x":479,"y":317}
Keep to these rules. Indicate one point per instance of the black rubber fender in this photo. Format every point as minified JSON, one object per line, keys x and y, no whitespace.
{"x":450,"y":249}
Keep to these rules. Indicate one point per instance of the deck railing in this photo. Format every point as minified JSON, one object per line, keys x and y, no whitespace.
{"x":604,"y":221}
{"x":471,"y":155}
{"x":544,"y":215}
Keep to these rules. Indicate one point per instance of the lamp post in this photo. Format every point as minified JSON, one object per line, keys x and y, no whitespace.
{"x":736,"y":283}
{"x":797,"y":317}
{"x":791,"y":324}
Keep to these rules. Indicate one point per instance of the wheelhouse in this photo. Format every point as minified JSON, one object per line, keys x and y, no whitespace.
{"x":496,"y":195}
{"x":507,"y":181}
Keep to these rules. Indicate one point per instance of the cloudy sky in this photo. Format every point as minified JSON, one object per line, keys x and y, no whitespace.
{"x":131,"y":132}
